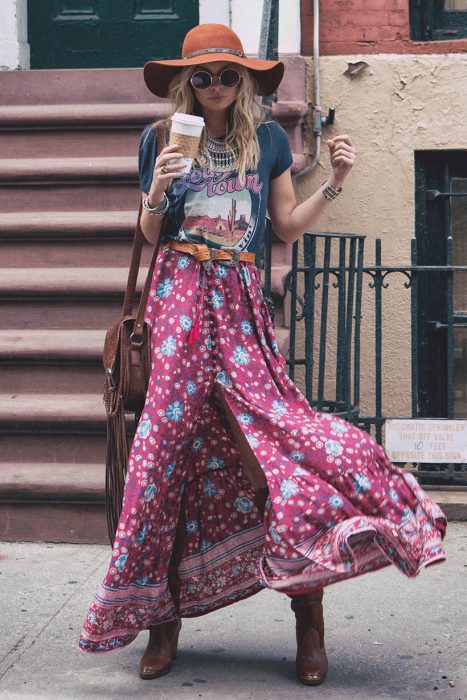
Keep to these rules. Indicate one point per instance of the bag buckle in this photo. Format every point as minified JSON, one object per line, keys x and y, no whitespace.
{"x":134,"y":342}
{"x":110,"y":379}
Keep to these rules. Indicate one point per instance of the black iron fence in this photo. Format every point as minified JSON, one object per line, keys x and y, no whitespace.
{"x":331,"y":294}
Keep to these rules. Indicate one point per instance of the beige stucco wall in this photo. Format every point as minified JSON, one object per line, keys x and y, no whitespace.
{"x":398,"y":104}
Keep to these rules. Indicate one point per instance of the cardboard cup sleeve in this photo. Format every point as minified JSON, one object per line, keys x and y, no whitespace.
{"x":188,"y":144}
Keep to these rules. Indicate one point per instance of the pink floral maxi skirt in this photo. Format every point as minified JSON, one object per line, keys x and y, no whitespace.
{"x":337,"y":506}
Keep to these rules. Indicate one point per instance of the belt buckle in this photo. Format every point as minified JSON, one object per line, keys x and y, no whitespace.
{"x":235,"y":260}
{"x":207,"y":264}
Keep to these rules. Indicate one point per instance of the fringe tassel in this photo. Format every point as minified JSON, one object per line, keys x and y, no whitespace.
{"x":194,"y":332}
{"x":118,"y":450}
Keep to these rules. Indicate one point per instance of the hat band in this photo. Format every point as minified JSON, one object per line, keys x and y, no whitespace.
{"x":200,"y":52}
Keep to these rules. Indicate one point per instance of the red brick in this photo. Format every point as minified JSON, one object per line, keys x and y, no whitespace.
{"x":395,"y":45}
{"x":356,"y":6}
{"x":366,"y":19}
{"x":333,"y":49}
{"x":399,"y":19}
{"x":332,"y":20}
{"x":340,"y":5}
{"x":354,"y":26}
{"x":378,"y":33}
{"x":365,"y":5}
{"x":341,"y":34}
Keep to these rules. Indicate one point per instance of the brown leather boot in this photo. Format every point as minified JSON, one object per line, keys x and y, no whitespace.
{"x":161,"y":649}
{"x":163,"y":639}
{"x":311,"y":663}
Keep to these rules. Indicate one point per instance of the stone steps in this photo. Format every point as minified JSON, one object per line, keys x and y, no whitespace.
{"x":63,"y":298}
{"x":67,"y":171}
{"x":53,"y":502}
{"x":54,"y":427}
{"x":59,"y":225}
{"x":96,"y":196}
{"x":65,"y":362}
{"x":68,"y":282}
{"x":69,"y":196}
{"x":71,"y":184}
{"x":43,"y":446}
{"x":74,"y":414}
{"x":85,"y":130}
{"x":53,"y":482}
{"x":67,"y":116}
{"x":63,"y":239}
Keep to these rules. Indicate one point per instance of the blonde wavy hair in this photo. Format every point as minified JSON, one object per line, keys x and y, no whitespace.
{"x":243,"y":117}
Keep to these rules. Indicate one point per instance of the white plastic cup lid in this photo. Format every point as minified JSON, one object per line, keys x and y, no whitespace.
{"x":188,"y":119}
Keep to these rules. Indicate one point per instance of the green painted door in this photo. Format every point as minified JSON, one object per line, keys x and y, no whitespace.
{"x":107,"y":33}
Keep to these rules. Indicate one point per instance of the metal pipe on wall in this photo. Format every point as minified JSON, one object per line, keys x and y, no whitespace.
{"x":317,"y":111}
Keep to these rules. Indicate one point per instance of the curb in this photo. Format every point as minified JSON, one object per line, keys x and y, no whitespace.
{"x":452,"y":503}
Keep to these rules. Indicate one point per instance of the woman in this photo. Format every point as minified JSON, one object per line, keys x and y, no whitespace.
{"x":234,"y":483}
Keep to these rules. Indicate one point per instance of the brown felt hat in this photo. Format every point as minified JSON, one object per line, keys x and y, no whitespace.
{"x":207,"y":43}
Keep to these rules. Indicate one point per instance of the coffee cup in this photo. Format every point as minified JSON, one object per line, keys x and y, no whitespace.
{"x":186,"y":132}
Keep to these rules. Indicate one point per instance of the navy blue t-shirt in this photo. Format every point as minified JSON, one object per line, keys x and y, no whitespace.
{"x":212,"y":207}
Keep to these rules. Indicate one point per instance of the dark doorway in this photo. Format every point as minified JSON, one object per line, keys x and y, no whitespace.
{"x":441,"y":231}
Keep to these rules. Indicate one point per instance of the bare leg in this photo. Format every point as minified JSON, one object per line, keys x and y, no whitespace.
{"x":252,"y":468}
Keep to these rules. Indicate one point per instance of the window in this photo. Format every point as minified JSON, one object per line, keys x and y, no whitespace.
{"x":432,"y":20}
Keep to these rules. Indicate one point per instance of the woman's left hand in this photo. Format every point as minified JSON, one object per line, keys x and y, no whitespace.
{"x":342,"y":154}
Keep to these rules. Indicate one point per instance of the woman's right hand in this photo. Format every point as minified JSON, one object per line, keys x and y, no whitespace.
{"x":165,"y":172}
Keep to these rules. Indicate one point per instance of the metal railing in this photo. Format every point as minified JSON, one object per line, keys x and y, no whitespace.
{"x":322,"y":333}
{"x":328,"y":299}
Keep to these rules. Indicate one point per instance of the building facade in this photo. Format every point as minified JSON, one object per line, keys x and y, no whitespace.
{"x":395,"y":72}
{"x":390,"y":73}
{"x":397,"y":76}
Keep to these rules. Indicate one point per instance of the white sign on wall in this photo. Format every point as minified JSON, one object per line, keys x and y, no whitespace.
{"x":426,"y":440}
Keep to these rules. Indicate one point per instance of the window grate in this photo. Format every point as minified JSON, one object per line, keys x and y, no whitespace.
{"x":435,"y":20}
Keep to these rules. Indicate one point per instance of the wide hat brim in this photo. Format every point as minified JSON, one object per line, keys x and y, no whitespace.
{"x":158,"y":74}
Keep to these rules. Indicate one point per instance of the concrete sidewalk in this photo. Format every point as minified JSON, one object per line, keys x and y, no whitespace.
{"x":386,"y":635}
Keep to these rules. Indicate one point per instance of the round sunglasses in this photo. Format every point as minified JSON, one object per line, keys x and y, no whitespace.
{"x":229,"y":77}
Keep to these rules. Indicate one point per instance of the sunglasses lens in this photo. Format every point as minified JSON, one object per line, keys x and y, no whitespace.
{"x":229,"y":77}
{"x":201,"y":80}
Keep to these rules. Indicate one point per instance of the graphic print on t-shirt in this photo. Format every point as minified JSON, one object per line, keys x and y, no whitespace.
{"x":217,"y":208}
{"x":221,"y":220}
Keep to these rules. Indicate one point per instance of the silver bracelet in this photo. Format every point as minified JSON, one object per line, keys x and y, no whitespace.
{"x":159,"y":209}
{"x":331,"y":192}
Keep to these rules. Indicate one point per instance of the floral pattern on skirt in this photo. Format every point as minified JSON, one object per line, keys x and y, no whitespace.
{"x":337,"y":506}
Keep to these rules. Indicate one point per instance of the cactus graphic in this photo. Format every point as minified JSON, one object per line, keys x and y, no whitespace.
{"x":231,"y":218}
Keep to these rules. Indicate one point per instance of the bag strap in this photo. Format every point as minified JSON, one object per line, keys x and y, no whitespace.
{"x":139,"y":238}
{"x":137,"y":335}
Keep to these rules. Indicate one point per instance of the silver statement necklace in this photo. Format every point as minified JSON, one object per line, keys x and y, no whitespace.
{"x":221,"y":157}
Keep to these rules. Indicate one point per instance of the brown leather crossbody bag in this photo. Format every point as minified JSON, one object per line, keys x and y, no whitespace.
{"x":127,"y":365}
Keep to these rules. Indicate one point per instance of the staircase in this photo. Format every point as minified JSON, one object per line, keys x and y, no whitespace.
{"x":68,"y":201}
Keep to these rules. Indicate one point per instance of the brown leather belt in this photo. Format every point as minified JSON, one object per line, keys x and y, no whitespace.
{"x":203,"y":252}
